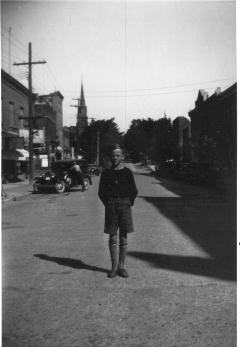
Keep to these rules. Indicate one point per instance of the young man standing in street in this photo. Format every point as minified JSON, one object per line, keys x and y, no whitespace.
{"x":117,"y":191}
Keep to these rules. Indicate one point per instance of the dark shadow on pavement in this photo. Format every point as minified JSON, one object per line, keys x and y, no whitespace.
{"x":211,"y":223}
{"x":53,"y":191}
{"x":193,"y":265}
{"x":188,"y":189}
{"x":73,"y":263}
{"x":143,"y":172}
{"x":13,"y":227}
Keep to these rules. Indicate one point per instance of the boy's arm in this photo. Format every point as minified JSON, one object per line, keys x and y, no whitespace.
{"x":133,"y":189}
{"x":101,"y":188}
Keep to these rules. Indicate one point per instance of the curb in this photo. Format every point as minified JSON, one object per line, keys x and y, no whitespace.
{"x":8,"y":198}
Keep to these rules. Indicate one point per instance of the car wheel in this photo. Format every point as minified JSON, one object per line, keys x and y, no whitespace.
{"x":86,"y":184}
{"x":35,"y":188}
{"x":60,"y":187}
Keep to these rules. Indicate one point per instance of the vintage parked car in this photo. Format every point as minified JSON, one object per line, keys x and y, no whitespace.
{"x":94,"y":170}
{"x":61,"y":177}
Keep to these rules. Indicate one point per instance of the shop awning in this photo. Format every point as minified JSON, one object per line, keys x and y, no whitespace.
{"x":23,"y":154}
{"x":17,"y":154}
{"x":11,"y":155}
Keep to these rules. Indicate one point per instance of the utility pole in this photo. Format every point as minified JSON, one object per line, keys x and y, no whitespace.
{"x":30,"y":106}
{"x":98,"y":133}
{"x":9,"y":49}
{"x":48,"y":151}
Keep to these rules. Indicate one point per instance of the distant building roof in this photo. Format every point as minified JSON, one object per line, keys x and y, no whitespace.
{"x":50,"y":94}
{"x":203,"y":95}
{"x":181,"y":119}
{"x":229,"y":90}
{"x":12,"y":81}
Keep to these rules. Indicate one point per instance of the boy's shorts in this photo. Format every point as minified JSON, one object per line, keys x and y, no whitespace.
{"x":118,"y":214}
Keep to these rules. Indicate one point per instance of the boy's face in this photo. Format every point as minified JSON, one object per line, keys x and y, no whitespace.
{"x":116,"y":157}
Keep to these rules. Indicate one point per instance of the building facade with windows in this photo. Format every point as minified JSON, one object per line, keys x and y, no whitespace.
{"x":67,"y":150}
{"x":48,"y":111}
{"x":14,"y":105}
{"x":214,"y":128}
{"x":51,"y":105}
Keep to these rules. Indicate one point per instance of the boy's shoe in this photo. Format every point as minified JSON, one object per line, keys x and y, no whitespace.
{"x":122,"y":273}
{"x":112,"y":273}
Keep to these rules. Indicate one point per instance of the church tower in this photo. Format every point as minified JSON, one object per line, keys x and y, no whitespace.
{"x":82,"y":119}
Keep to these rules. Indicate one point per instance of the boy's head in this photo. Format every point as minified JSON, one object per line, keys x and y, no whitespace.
{"x":116,"y":155}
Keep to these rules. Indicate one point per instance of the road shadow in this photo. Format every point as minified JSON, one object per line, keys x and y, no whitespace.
{"x":208,"y":221}
{"x":12,"y":227}
{"x":143,"y":173}
{"x":53,"y":192}
{"x":216,"y":268}
{"x":184,"y":188}
{"x":69,"y":262}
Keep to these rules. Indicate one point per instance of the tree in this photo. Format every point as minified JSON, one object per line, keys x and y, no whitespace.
{"x":163,"y":147}
{"x":150,"y":139}
{"x":109,"y":135}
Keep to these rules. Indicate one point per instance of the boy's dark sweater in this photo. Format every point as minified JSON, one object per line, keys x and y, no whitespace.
{"x":117,"y":184}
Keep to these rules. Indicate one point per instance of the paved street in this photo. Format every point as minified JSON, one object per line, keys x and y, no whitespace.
{"x":181,"y":290}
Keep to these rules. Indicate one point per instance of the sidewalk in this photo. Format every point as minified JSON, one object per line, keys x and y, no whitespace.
{"x":15,"y":191}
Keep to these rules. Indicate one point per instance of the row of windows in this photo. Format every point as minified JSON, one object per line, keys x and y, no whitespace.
{"x":12,"y":114}
{"x":230,"y":110}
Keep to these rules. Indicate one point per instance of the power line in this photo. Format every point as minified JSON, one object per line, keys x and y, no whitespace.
{"x":20,"y":46}
{"x":164,"y":87}
{"x":16,"y":39}
{"x":137,"y":95}
{"x":89,"y":95}
{"x":15,"y":46}
{"x":125,"y":61}
{"x":53,"y":76}
{"x":146,"y":94}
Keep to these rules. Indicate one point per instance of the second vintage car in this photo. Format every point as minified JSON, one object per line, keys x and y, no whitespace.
{"x":62,"y":178}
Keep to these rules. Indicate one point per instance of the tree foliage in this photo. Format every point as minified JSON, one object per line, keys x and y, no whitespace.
{"x":109,"y":135}
{"x":150,"y":139}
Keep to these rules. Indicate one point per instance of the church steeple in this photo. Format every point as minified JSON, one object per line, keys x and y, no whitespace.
{"x":82,"y":118}
{"x":82,"y":98}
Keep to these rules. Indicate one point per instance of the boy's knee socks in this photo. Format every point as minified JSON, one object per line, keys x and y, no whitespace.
{"x":113,"y":252}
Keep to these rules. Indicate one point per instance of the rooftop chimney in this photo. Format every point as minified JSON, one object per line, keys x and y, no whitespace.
{"x":218,"y":91}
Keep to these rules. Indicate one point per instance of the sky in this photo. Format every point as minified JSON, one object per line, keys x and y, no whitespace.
{"x":136,"y":59}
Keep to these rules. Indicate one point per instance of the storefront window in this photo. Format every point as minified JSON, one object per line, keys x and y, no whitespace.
{"x":11,"y":113}
{"x":21,"y":114}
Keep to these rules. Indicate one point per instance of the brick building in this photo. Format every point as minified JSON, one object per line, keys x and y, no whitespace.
{"x":214,"y":127}
{"x":67,"y":152}
{"x":47,"y":123}
{"x":14,"y":104}
{"x":51,"y":105}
